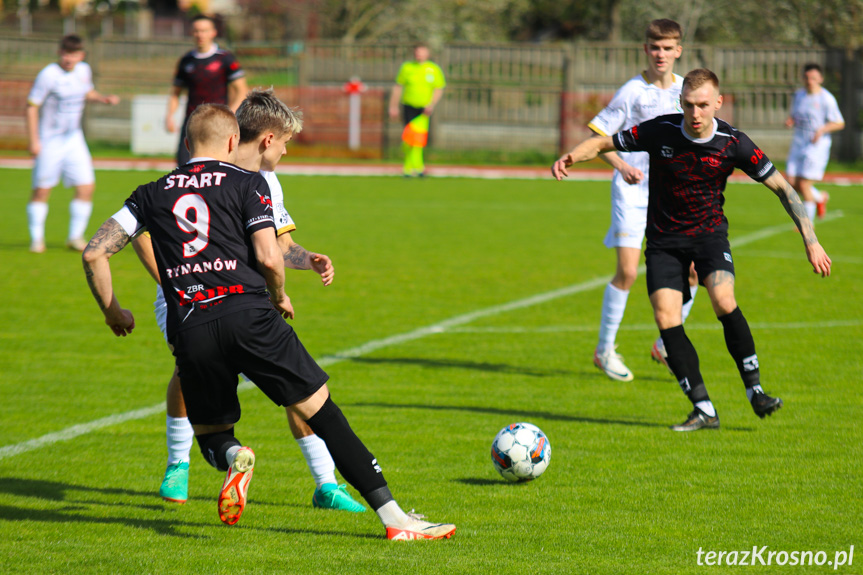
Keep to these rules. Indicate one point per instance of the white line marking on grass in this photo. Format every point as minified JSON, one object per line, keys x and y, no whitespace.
{"x":376,"y":344}
{"x":652,"y":327}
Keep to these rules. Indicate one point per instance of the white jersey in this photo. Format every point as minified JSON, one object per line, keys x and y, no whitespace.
{"x":635,"y":102}
{"x":60,"y":96}
{"x":810,"y":112}
{"x":284,"y":223}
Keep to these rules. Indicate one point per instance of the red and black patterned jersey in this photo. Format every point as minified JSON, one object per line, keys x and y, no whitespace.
{"x":688,"y":176}
{"x":200,"y":218}
{"x":207,"y":78}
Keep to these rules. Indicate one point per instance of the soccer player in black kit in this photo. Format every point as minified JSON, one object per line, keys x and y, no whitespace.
{"x":220,"y":265}
{"x":209,"y":74}
{"x":691,"y":157}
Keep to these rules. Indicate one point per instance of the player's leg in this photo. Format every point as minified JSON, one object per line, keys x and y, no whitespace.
{"x":667,"y":285}
{"x":804,"y":188}
{"x":613,"y":307}
{"x":658,"y":352}
{"x":46,"y":175}
{"x":179,"y":435}
{"x":718,"y":271}
{"x":360,"y":468}
{"x":78,"y":173}
{"x":291,"y":377}
{"x":328,"y":493}
{"x":625,"y":234}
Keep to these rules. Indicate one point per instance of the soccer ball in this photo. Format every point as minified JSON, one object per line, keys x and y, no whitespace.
{"x":520,"y":452}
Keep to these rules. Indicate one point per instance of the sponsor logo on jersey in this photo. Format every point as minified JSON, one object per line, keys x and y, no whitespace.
{"x":196,"y":169}
{"x":727,"y":256}
{"x":265,"y":200}
{"x":712,"y":161}
{"x":205,"y":180}
{"x":214,"y":66}
{"x":667,"y":152}
{"x":208,"y":294}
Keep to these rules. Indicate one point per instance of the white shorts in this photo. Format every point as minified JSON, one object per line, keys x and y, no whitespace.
{"x":808,"y":161}
{"x":66,"y":156}
{"x":628,"y":215}
{"x":160,"y":307}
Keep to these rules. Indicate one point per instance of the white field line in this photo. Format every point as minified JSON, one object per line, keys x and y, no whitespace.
{"x":652,"y":327}
{"x":374,"y":345}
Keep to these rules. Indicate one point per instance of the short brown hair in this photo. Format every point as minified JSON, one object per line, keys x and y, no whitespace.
{"x":663,"y":29}
{"x":261,"y":111}
{"x":209,"y":124}
{"x":71,"y":43}
{"x":698,"y":77}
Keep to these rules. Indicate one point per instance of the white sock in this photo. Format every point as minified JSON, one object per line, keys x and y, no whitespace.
{"x":816,"y":195}
{"x":613,"y":306}
{"x":706,"y":407}
{"x":392,"y":514}
{"x":687,"y":307}
{"x":79,"y":212}
{"x":810,"y":210}
{"x":318,"y":457}
{"x":37,"y":213}
{"x":180,"y":437}
{"x":751,"y":391}
{"x":232,"y":453}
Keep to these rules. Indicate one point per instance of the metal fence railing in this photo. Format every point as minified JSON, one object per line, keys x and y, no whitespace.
{"x":498,"y":97}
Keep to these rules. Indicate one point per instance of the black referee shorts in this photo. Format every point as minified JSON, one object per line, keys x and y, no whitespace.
{"x":255,"y":342}
{"x":669,"y":267}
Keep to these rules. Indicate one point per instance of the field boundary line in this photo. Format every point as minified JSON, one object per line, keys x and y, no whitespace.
{"x":376,"y":344}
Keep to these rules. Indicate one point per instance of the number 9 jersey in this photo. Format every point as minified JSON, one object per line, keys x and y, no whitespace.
{"x":200,"y":218}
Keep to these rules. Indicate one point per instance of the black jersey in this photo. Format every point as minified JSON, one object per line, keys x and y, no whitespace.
{"x":688,"y":176}
{"x":200,"y":218}
{"x":207,"y":78}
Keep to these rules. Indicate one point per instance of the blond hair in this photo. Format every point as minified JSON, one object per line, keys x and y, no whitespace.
{"x":663,"y":29}
{"x":262,"y":111}
{"x":209,"y":125}
{"x":698,"y":77}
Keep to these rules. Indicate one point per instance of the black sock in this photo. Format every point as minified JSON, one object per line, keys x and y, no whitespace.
{"x":356,"y":464}
{"x":683,"y":361}
{"x":214,"y":447}
{"x":741,"y":346}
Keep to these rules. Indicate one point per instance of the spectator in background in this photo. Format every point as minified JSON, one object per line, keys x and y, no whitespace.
{"x":814,"y":116}
{"x":209,"y":74}
{"x":54,"y":109}
{"x":419,"y":87}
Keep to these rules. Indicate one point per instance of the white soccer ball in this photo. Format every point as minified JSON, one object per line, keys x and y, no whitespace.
{"x":520,"y":452}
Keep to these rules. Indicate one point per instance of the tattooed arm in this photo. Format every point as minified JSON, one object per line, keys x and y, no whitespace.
{"x":791,"y":201}
{"x":110,"y":239}
{"x":299,"y":258}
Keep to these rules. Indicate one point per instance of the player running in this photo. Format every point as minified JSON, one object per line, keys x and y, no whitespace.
{"x":55,"y":106}
{"x":691,"y":157}
{"x":654,"y":92}
{"x":223,"y":273}
{"x":266,"y":126}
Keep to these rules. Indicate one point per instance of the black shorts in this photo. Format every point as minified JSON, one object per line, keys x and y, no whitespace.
{"x":669,"y":267}
{"x":409,"y":113}
{"x":255,"y":342}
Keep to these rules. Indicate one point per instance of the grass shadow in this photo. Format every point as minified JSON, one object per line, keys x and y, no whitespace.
{"x":463,"y":364}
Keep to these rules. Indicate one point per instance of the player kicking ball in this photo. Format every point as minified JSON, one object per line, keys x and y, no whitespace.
{"x":222,"y":270}
{"x":266,"y":126}
{"x":691,"y":157}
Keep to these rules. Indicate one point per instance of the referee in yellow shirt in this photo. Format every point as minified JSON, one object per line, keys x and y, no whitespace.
{"x":419,"y":87}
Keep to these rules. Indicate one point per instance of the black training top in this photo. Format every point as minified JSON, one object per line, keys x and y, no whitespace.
{"x":688,"y":176}
{"x":200,"y":218}
{"x":207,"y":78}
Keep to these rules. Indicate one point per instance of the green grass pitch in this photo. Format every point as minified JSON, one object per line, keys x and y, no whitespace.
{"x":623,"y":494}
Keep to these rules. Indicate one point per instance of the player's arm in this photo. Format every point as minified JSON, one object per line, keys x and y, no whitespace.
{"x":110,"y":239}
{"x":630,"y":175}
{"x":32,"y":116}
{"x":395,"y":99}
{"x":299,"y":258}
{"x":791,"y":201}
{"x":173,"y":104}
{"x":587,"y":150}
{"x":827,"y":128}
{"x":271,"y":265}
{"x":143,"y":246}
{"x":237,"y":91}
{"x":110,"y":99}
